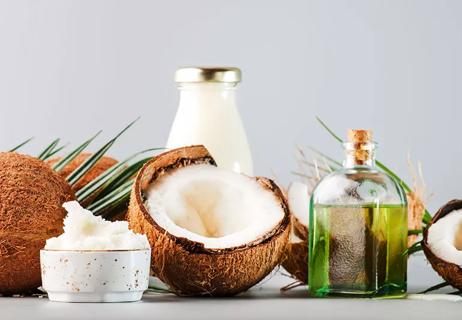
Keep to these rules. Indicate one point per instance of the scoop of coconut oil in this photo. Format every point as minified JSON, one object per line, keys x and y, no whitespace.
{"x":84,"y":231}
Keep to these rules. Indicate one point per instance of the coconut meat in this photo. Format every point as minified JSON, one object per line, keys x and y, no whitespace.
{"x":445,"y":237}
{"x":216,"y":207}
{"x":299,"y":201}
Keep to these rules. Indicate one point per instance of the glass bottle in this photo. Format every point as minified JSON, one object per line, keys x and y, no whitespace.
{"x":358,"y":228}
{"x":208,"y":115}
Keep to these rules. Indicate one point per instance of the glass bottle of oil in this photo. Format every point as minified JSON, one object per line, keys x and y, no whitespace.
{"x":358,"y":228}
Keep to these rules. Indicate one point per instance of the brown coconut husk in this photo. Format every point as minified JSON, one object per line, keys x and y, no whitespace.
{"x":31,"y":198}
{"x":102,"y":165}
{"x":415,"y":210}
{"x":415,"y":201}
{"x":296,"y":260}
{"x":299,"y":229}
{"x":187,"y":267}
{"x":450,"y":272}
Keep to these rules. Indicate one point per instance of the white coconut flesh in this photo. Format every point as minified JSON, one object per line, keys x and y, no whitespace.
{"x":299,"y":201}
{"x":293,"y":238}
{"x":445,"y":237}
{"x":213,"y":206}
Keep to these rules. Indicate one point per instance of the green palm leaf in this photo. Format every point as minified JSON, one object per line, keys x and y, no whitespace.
{"x":112,"y":200}
{"x":105,"y":180}
{"x":73,"y":154}
{"x":55,"y":151}
{"x":20,"y":145}
{"x":415,"y":232}
{"x":416,"y":247}
{"x":80,"y":171}
{"x":44,"y":154}
{"x":436,"y":287}
{"x":124,"y":176}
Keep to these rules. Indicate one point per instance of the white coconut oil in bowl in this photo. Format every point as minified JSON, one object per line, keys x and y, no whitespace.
{"x":95,"y":276}
{"x":95,"y":260}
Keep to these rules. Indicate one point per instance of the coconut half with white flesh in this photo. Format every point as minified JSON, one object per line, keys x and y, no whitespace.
{"x":296,"y":257}
{"x":442,"y":243}
{"x":212,"y":231}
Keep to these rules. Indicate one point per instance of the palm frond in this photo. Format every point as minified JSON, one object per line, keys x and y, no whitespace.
{"x":333,"y":164}
{"x":81,"y":170}
{"x":73,"y":154}
{"x":128,"y":173}
{"x":55,"y":151}
{"x":20,"y":145}
{"x":49,"y":149}
{"x":436,"y":287}
{"x":416,"y":247}
{"x":105,"y":181}
{"x":332,"y":133}
{"x":112,"y":200}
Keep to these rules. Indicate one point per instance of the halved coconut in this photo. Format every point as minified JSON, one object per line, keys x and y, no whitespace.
{"x":296,"y":257}
{"x":212,"y":231}
{"x":442,"y":243}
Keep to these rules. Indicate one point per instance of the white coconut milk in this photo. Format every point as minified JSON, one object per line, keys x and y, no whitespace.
{"x":208,"y":115}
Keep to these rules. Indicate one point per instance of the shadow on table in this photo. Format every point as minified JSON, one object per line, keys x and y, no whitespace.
{"x":253,"y":294}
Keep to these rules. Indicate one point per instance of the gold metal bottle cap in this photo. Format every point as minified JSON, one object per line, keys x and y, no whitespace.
{"x":208,"y":74}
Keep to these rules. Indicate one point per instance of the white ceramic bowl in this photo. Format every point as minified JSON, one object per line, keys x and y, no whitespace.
{"x":95,"y":276}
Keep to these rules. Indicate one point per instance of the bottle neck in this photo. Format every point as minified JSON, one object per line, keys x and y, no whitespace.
{"x":359,"y":155}
{"x":208,"y":94}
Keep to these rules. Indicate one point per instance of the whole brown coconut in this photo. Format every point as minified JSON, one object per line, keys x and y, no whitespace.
{"x":186,"y":266}
{"x":102,"y":165}
{"x":31,"y":195}
{"x":450,"y":272}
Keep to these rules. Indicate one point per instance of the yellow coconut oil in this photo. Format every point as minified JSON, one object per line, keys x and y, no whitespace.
{"x":358,"y":229}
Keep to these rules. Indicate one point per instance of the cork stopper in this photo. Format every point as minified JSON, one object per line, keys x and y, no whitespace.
{"x":360,"y":145}
{"x":359,"y":136}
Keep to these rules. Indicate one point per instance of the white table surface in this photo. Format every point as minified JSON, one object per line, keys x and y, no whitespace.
{"x":265,"y":301}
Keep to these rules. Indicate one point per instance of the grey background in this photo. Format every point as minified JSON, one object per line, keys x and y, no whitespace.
{"x":70,"y":68}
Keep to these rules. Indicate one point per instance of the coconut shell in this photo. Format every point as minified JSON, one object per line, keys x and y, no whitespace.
{"x":296,"y":260}
{"x":187,"y":267}
{"x":102,"y":165}
{"x":296,"y":256}
{"x":299,"y":229}
{"x":31,"y":198}
{"x":450,"y":272}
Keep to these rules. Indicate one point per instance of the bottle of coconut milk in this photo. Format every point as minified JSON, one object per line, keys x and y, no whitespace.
{"x":208,"y":115}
